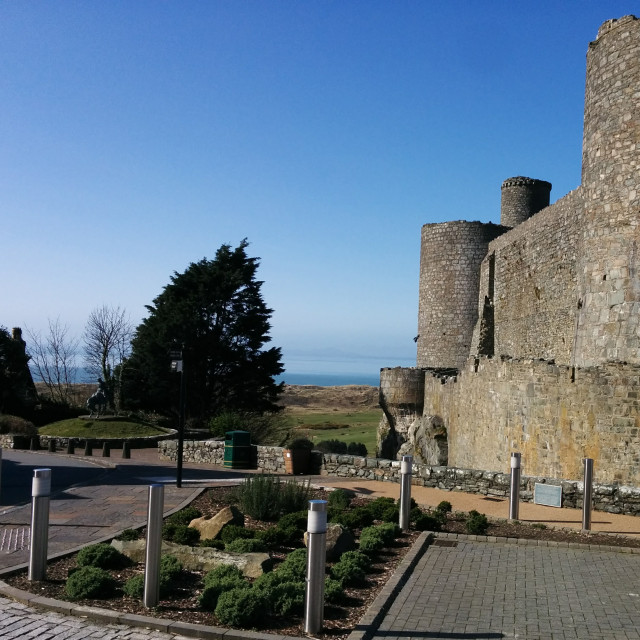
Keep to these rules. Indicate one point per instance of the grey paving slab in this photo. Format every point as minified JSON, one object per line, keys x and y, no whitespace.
{"x":499,"y":590}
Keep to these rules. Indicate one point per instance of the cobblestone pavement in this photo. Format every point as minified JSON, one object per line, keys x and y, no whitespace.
{"x":502,"y":590}
{"x":20,"y":621}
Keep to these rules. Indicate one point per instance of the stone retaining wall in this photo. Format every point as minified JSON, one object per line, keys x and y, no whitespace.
{"x":606,"y":497}
{"x":9,"y":441}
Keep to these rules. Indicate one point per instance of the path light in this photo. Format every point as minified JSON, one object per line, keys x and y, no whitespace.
{"x":177,"y":366}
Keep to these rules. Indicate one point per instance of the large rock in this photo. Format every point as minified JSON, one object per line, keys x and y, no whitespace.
{"x":339,"y":540}
{"x":210,"y":528}
{"x":426,"y":442}
{"x":252,"y":565}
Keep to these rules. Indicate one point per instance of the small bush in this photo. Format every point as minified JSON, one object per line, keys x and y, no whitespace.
{"x":170,"y":566}
{"x":357,"y":557}
{"x":371,"y":540}
{"x":444,"y":507}
{"x":390,"y":514}
{"x":286,"y":598}
{"x":16,"y":425}
{"x":332,"y":446}
{"x":90,"y":582}
{"x":357,"y":449}
{"x":390,"y":531}
{"x":333,"y":591}
{"x":185,"y":516}
{"x":297,"y":519}
{"x":275,"y":536}
{"x":378,"y":506}
{"x":300,"y":443}
{"x":220,"y":579}
{"x":294,"y":496}
{"x":426,"y":522}
{"x":348,"y":572}
{"x":214,"y":544}
{"x":103,"y":556}
{"x":295,"y":564}
{"x":180,"y":534}
{"x":232,"y":532}
{"x":258,"y":497}
{"x":245,"y":545}
{"x":339,"y":499}
{"x":134,"y":587}
{"x":353,"y":518}
{"x":477,"y":523}
{"x":241,"y":607}
{"x":129,"y":534}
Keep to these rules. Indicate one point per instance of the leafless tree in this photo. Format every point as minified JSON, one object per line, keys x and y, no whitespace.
{"x":54,"y":357}
{"x":107,"y":345}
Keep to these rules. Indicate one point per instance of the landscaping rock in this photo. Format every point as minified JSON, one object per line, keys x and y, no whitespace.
{"x":210,"y":528}
{"x":339,"y":540}
{"x":252,"y":565}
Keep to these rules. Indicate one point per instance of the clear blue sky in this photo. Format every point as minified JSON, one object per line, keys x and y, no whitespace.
{"x":137,"y":137}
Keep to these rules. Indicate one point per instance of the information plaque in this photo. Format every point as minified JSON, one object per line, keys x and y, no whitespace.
{"x":548,"y":494}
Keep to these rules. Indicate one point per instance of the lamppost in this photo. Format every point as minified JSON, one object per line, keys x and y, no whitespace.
{"x":177,"y":366}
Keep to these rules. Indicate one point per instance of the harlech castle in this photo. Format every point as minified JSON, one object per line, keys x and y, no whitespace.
{"x":529,"y":331}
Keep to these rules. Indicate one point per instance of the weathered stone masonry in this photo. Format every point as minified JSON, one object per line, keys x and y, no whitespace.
{"x":547,"y":359}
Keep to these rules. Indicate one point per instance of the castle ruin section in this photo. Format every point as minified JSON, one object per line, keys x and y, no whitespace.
{"x":546,"y":360}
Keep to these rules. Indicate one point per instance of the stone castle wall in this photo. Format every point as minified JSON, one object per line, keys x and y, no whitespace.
{"x":450,"y":258}
{"x":554,"y":415}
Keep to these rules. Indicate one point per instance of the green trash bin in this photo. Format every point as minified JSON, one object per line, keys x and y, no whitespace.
{"x":237,"y":450}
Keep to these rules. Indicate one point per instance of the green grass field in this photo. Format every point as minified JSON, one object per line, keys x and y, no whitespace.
{"x":104,"y":428}
{"x":352,"y":426}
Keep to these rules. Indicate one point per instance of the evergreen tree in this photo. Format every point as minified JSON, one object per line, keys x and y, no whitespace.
{"x":17,"y":391}
{"x":214,"y":313}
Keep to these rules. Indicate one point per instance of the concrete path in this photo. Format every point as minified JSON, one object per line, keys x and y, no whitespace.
{"x":469,"y":589}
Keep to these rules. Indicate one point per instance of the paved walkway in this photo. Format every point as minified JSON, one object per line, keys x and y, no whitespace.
{"x":469,"y":589}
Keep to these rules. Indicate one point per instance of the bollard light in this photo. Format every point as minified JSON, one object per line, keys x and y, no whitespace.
{"x":40,"y":492}
{"x":405,"y":491}
{"x":151,"y":595}
{"x":587,"y":494}
{"x":514,"y":497}
{"x":316,"y":561}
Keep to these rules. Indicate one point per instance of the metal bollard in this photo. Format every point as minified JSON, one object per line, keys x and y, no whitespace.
{"x":40,"y":492}
{"x":126,"y":452}
{"x":106,"y":450}
{"x":587,"y":494}
{"x":316,"y":561}
{"x":514,"y":497}
{"x":405,"y":491}
{"x":154,"y":546}
{"x":88,"y":449}
{"x":70,"y":446}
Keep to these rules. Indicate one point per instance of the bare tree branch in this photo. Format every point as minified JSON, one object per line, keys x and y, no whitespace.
{"x":53,"y":357}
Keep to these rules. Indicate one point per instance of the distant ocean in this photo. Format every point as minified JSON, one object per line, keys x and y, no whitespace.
{"x":329,"y":379}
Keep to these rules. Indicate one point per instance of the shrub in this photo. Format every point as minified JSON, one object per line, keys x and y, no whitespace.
{"x":444,"y":507}
{"x":170,"y":566}
{"x":332,"y":446}
{"x":265,"y":497}
{"x":339,"y":499}
{"x":333,"y":591}
{"x":295,"y":564}
{"x":258,"y":497}
{"x":286,"y":598}
{"x":134,"y":587}
{"x":297,"y":519}
{"x":300,"y":443}
{"x":90,"y":582}
{"x":241,"y":607}
{"x":129,"y":534}
{"x":390,"y":531}
{"x":353,"y":519}
{"x":378,"y":506}
{"x":17,"y":426}
{"x":357,"y":449}
{"x":184,"y":516}
{"x":371,"y":540}
{"x":274,"y":536}
{"x":426,"y":522}
{"x":180,"y":534}
{"x":294,"y":496}
{"x":103,"y":556}
{"x":348,"y":572}
{"x":220,"y":579}
{"x":359,"y":558}
{"x":244,"y":545}
{"x":390,"y":514}
{"x":214,"y":544}
{"x":477,"y":523}
{"x":232,"y":532}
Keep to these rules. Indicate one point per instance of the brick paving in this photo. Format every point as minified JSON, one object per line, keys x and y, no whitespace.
{"x":502,"y":590}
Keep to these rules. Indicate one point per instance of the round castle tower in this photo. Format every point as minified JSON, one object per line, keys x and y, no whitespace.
{"x":450,"y":258}
{"x":521,"y":198}
{"x":609,"y":277}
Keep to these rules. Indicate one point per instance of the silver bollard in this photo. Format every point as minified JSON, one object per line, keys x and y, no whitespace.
{"x":154,"y":546}
{"x":40,"y":492}
{"x":316,"y":560}
{"x":405,"y":491}
{"x":514,"y":497}
{"x":587,"y":495}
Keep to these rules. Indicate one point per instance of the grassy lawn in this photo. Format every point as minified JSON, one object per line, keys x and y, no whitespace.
{"x":352,"y":426}
{"x":104,"y":428}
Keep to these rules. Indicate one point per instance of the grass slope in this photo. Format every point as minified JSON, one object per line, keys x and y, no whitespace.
{"x":102,"y":428}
